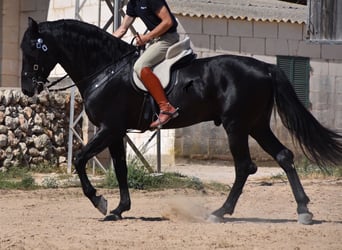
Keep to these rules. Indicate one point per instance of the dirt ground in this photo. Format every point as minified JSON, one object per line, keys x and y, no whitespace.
{"x":265,"y":217}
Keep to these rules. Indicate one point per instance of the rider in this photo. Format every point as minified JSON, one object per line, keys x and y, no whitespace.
{"x":162,"y":25}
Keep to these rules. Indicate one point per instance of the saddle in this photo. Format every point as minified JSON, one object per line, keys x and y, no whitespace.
{"x":176,"y":53}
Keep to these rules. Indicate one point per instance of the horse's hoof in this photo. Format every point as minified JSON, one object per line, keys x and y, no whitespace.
{"x":113,"y":217}
{"x":305,"y":218}
{"x":214,"y":219}
{"x":102,"y":205}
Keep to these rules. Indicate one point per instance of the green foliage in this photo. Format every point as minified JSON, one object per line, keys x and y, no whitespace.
{"x":27,"y":182}
{"x":50,"y":182}
{"x":16,"y":178}
{"x":305,"y":168}
{"x":110,"y":180}
{"x":46,"y":168}
{"x":139,"y":178}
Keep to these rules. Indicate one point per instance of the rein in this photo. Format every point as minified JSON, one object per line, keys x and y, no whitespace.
{"x":92,"y":76}
{"x":58,"y":81}
{"x":108,"y":66}
{"x":105,"y":74}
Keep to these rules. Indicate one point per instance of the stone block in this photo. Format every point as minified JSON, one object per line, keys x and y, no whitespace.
{"x":10,"y":20}
{"x":195,"y":145}
{"x":10,"y":9}
{"x":290,"y":31}
{"x":319,"y":67}
{"x":11,"y":53}
{"x":10,"y":81}
{"x":211,"y":54}
{"x":335,"y":67}
{"x":332,"y":51}
{"x":200,"y":42}
{"x":189,"y":25}
{"x":225,"y":43}
{"x":60,"y":4}
{"x":255,"y":46}
{"x":42,"y":5}
{"x":318,"y":98}
{"x":26,"y":5}
{"x":338,"y":84}
{"x":241,"y":28}
{"x":10,"y":34}
{"x":178,"y":146}
{"x":311,"y":50}
{"x":267,"y":59}
{"x":219,"y":150}
{"x":216,"y":133}
{"x":265,"y":29}
{"x":69,"y":12}
{"x":214,"y":26}
{"x":276,"y":47}
{"x":10,"y":66}
{"x":338,"y":101}
{"x":338,"y":120}
{"x":57,"y":14}
{"x":293,"y":47}
{"x":90,"y":14}
{"x":315,"y":83}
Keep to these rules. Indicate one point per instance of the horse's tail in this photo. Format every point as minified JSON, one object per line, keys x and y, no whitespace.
{"x":319,"y":144}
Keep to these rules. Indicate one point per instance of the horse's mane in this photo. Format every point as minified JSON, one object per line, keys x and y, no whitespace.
{"x":86,"y":36}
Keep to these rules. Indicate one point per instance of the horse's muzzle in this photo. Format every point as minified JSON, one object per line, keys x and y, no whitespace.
{"x":28,"y":93}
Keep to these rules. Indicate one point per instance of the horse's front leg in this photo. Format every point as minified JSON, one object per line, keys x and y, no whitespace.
{"x":98,"y":143}
{"x":118,"y":154}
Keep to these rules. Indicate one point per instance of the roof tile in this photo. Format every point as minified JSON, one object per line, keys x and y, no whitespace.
{"x":258,"y":10}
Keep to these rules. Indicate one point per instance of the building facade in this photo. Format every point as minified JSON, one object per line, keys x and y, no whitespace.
{"x":272,"y":31}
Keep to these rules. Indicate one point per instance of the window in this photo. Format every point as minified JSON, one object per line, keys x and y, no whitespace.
{"x":325,"y":21}
{"x":297,"y":69}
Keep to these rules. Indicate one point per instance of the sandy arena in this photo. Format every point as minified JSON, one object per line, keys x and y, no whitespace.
{"x":265,"y":217}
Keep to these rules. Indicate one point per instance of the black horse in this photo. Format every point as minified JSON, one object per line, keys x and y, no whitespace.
{"x":237,"y":92}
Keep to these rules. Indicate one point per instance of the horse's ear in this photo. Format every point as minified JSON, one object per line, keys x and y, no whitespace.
{"x":33,"y":25}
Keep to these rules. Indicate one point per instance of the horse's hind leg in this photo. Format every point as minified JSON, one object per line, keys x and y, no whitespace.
{"x":284,"y":157}
{"x":98,"y":143}
{"x":118,"y":154}
{"x":244,"y":166}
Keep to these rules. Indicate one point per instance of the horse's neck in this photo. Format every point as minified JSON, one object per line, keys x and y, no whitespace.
{"x":84,"y":50}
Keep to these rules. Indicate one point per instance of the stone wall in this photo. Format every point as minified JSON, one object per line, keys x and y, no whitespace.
{"x":34,"y":131}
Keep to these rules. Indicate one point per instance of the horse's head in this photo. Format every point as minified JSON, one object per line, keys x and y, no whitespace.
{"x":38,"y":60}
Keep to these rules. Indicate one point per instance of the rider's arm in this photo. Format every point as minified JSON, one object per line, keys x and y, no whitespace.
{"x":126,"y":22}
{"x":165,"y":24}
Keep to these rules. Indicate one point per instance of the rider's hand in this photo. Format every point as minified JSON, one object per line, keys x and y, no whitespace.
{"x":141,"y":40}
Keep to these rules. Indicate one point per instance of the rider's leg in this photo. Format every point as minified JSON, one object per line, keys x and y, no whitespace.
{"x":153,"y":85}
{"x":153,"y":55}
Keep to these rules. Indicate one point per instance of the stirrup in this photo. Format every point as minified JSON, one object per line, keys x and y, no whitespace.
{"x":171,"y":115}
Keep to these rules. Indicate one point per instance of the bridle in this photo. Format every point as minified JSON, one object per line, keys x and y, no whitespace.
{"x":38,"y":81}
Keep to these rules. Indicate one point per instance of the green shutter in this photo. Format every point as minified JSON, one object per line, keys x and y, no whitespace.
{"x":297,"y":69}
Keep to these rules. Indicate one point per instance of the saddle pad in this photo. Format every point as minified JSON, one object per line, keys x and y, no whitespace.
{"x":163,"y":70}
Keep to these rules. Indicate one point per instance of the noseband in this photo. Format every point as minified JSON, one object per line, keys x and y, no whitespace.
{"x":35,"y":75}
